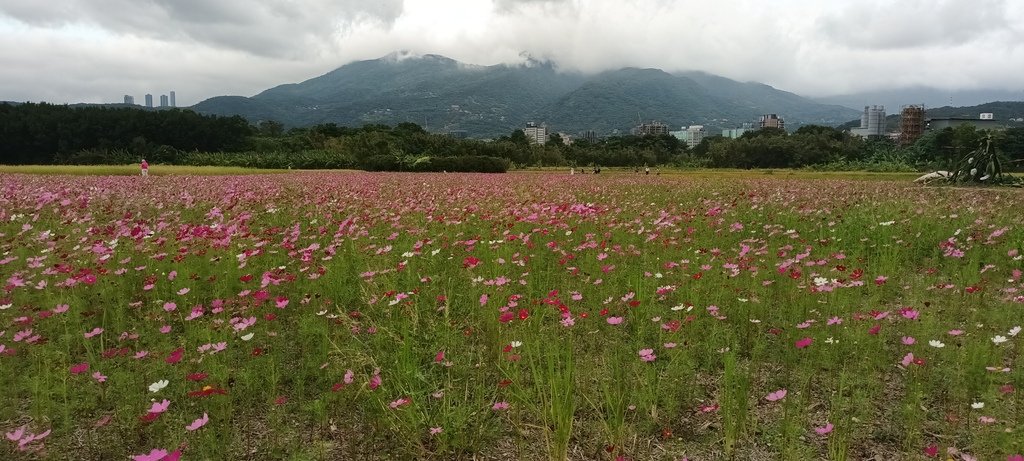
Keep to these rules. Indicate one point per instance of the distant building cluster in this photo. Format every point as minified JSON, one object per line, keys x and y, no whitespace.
{"x":772,"y":121}
{"x":166,"y":100}
{"x":872,"y":123}
{"x":654,"y":128}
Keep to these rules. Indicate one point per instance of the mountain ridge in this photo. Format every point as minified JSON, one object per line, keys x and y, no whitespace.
{"x":489,"y":101}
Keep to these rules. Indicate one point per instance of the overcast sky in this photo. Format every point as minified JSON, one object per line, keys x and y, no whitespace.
{"x":98,"y":50}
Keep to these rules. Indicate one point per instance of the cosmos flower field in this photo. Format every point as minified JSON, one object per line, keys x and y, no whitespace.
{"x":518,"y":316}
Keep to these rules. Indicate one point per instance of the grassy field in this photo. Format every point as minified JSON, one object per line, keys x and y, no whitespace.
{"x":338,"y":315}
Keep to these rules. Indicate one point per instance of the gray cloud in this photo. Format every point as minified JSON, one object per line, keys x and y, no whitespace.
{"x":275,"y":28}
{"x":97,"y":50}
{"x":914,"y":23}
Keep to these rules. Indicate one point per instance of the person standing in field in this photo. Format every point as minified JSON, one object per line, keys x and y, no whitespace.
{"x":145,"y":168}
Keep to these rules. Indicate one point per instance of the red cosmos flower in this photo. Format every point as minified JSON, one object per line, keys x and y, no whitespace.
{"x":504,"y":383}
{"x":523,"y":314}
{"x":175,"y":356}
{"x":256,"y":352}
{"x":196,"y":376}
{"x":603,"y":312}
{"x":245,"y":278}
{"x":634,"y":303}
{"x":857,"y":274}
{"x":470,"y":262}
{"x":270,"y":317}
{"x":875,"y":329}
{"x":506,"y":317}
{"x":804,"y":342}
{"x":973,"y":289}
{"x":697,"y":276}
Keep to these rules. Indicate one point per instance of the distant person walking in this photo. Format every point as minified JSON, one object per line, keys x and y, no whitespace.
{"x":145,"y":167}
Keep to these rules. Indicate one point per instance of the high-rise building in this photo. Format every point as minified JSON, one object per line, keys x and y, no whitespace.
{"x":872,"y":123}
{"x":173,"y":102}
{"x":772,"y":121}
{"x":735,"y":133}
{"x":129,"y":99}
{"x":163,"y":100}
{"x":149,"y":100}
{"x":691,"y":135}
{"x":537,"y":134}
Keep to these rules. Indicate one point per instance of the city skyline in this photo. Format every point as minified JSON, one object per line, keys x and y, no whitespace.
{"x":94,"y":50}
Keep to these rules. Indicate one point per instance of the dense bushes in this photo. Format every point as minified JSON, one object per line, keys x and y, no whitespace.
{"x":45,"y":133}
{"x":42,"y":134}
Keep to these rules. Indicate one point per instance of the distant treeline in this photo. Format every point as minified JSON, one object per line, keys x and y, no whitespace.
{"x":48,"y":134}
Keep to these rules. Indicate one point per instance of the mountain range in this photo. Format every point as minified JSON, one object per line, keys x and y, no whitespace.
{"x":488,"y":101}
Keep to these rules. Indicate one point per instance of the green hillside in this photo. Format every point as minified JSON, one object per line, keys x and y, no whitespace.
{"x":488,"y":101}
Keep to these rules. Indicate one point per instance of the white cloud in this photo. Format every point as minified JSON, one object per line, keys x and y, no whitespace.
{"x":97,"y":50}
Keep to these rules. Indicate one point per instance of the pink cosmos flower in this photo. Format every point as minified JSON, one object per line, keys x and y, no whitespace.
{"x":165,"y":329}
{"x":439,"y":357}
{"x":94,"y":332}
{"x":823,"y":430}
{"x":349,"y":377}
{"x":614,"y":320}
{"x":16,"y":435}
{"x":160,"y":407}
{"x":500,"y":406}
{"x":955,"y":332}
{"x":170,"y":307}
{"x":834,"y":321}
{"x":776,"y":396}
{"x":61,"y":308}
{"x":483,"y":299}
{"x":375,"y":381}
{"x":907,"y":360}
{"x":400,"y":402}
{"x":79,"y":368}
{"x":158,"y":455}
{"x":647,"y":355}
{"x":908,"y":340}
{"x":435,"y":430}
{"x":99,"y":377}
{"x":803,"y":343}
{"x":198,"y":423}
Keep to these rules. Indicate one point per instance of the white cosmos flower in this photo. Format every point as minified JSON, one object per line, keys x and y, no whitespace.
{"x":999,"y":339}
{"x":248,"y":336}
{"x":516,"y":343}
{"x":1014,"y":330}
{"x":936,"y":343}
{"x":978,"y":405}
{"x":157,"y":386}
